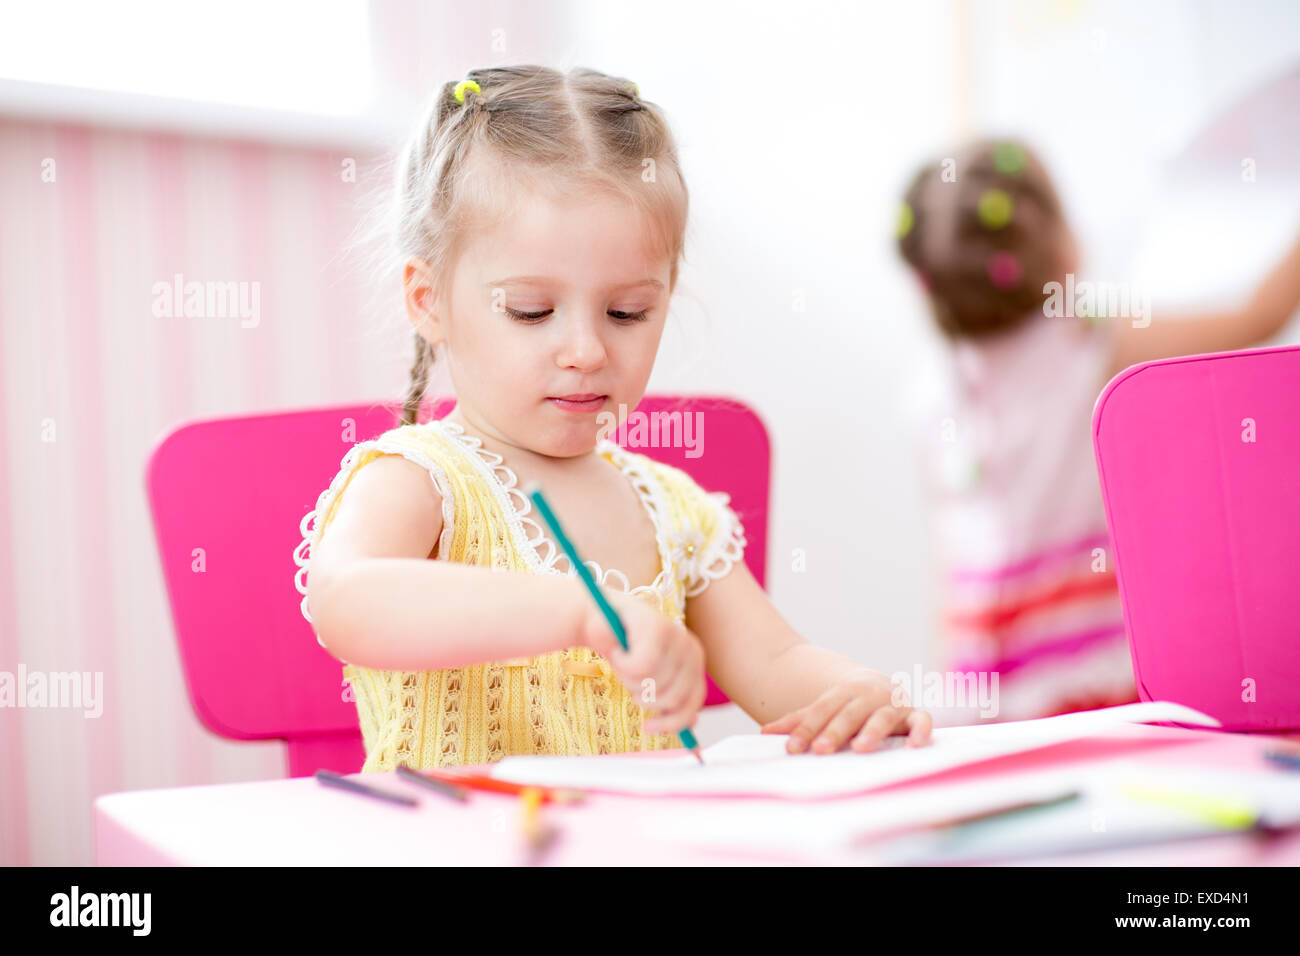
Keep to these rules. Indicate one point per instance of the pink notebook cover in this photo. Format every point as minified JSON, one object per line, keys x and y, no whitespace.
{"x":1199,"y":462}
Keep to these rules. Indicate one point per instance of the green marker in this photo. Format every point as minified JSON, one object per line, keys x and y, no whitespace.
{"x":616,"y":625}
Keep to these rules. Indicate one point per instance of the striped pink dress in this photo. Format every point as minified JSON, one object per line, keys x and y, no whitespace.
{"x":1017,"y":520}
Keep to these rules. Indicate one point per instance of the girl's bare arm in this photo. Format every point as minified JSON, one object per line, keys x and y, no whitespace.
{"x":377,"y":600}
{"x":1263,"y":316}
{"x":756,"y":658}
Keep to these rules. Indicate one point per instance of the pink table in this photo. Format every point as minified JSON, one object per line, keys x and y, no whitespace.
{"x":298,"y":821}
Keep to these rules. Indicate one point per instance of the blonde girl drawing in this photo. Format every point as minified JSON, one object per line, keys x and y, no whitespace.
{"x":538,"y":264}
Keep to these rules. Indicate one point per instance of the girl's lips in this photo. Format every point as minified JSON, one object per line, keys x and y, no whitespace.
{"x":570,"y":405}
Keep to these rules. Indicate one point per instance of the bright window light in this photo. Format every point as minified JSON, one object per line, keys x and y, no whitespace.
{"x":284,"y":55}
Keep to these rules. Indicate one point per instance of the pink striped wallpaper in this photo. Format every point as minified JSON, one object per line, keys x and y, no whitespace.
{"x":91,"y":218}
{"x":90,"y":377}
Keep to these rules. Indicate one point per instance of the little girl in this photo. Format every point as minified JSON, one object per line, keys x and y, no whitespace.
{"x":542,"y":221}
{"x":1012,"y":482}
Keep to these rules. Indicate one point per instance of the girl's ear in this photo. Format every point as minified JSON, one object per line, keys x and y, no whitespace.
{"x":420,"y":293}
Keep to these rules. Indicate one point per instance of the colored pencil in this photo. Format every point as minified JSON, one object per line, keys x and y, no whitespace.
{"x":539,"y":834}
{"x":331,"y":779}
{"x":432,"y":783}
{"x":615,"y":623}
{"x":478,"y":781}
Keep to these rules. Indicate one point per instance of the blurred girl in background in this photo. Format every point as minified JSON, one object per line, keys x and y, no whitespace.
{"x":1011,"y":482}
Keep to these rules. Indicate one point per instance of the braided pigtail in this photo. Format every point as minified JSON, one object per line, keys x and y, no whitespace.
{"x":419,"y":380}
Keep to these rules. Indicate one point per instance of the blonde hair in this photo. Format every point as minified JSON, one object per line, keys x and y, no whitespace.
{"x":541,"y":127}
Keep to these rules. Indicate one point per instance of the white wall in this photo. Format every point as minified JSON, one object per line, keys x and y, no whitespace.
{"x":791,"y":120}
{"x":799,"y":125}
{"x":1117,"y":97}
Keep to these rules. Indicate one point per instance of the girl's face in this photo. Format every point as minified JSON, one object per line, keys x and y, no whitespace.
{"x":563,"y":299}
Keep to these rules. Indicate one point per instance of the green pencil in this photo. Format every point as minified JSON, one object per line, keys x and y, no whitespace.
{"x":534,"y":492}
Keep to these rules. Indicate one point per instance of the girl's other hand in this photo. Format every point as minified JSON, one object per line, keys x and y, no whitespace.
{"x":664,"y":668}
{"x":851,"y":709}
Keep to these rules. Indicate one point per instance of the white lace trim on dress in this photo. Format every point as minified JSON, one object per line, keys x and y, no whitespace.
{"x":529,"y":537}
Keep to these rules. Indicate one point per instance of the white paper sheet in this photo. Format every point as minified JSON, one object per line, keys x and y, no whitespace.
{"x":757,"y":764}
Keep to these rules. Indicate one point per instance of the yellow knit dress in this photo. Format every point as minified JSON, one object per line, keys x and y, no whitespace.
{"x":564,"y":702}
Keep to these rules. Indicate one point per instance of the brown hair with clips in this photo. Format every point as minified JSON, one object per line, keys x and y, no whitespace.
{"x":984,"y":231}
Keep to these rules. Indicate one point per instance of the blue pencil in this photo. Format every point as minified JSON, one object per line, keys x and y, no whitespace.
{"x":534,"y":491}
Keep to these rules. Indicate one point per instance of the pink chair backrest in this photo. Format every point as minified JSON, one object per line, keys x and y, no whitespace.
{"x":1199,"y":460}
{"x":227,"y":496}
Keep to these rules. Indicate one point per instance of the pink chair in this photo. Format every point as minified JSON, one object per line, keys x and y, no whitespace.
{"x":227,"y":496}
{"x":1199,"y":461}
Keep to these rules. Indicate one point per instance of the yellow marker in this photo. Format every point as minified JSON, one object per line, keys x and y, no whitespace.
{"x":1217,"y":811}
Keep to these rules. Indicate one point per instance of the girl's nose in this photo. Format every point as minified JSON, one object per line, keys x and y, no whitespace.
{"x":583,"y":347}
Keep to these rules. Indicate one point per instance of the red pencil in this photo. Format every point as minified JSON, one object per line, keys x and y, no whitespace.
{"x":478,"y":781}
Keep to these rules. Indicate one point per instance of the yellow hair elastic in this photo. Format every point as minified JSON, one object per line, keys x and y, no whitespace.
{"x":464,"y":85}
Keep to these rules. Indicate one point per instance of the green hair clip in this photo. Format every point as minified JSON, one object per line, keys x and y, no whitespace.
{"x":1008,"y":158}
{"x":906,"y":219}
{"x":995,"y":208}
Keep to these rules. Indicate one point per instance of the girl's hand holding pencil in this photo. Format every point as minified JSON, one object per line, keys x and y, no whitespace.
{"x":665,"y":649}
{"x":664,"y":670}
